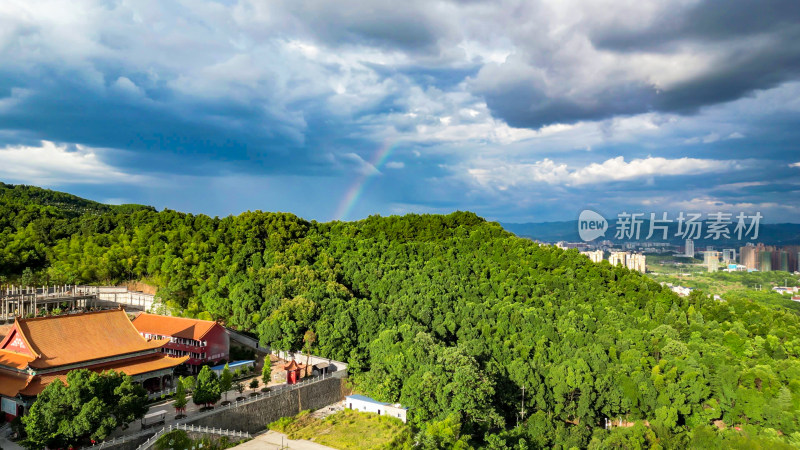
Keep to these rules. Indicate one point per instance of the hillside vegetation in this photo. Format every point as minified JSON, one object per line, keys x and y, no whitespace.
{"x":452,"y":316}
{"x":347,"y":430}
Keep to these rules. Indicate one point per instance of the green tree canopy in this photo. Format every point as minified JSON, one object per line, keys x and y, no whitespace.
{"x":88,"y":406}
{"x":226,"y":380}
{"x":207,"y":388}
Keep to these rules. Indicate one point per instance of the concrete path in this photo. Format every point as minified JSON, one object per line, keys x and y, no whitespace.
{"x":272,"y":440}
{"x":5,"y":442}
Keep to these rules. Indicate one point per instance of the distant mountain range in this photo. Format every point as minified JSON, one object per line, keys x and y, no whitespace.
{"x":768,"y":233}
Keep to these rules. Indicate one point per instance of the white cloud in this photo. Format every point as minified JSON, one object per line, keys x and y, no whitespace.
{"x":52,"y":164}
{"x":617,"y":169}
{"x":395,"y":165}
{"x":713,"y":137}
{"x":709,"y":204}
{"x":124,"y":84}
{"x":742,"y":185}
{"x":504,"y":175}
{"x":361,"y":166}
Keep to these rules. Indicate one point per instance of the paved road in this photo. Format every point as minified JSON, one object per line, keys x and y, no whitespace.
{"x":272,"y":440}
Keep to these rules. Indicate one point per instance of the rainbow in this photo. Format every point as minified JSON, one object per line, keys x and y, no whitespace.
{"x":356,"y":190}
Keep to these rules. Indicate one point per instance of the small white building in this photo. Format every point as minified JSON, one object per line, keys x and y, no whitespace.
{"x":683,"y":291}
{"x":785,"y":289}
{"x":363,"y":403}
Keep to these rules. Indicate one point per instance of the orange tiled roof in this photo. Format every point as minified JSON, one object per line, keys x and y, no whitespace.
{"x":14,"y":359}
{"x":11,"y":383}
{"x":173,"y":326}
{"x":39,"y":382}
{"x":293,"y":365}
{"x":4,"y":330}
{"x":68,"y":339}
{"x":149,"y":363}
{"x":131,"y":367}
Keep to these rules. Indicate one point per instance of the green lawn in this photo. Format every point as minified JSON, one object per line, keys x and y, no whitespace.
{"x":346,"y":430}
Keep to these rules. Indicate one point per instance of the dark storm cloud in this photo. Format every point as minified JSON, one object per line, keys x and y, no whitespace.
{"x":407,"y":26}
{"x":708,"y":20}
{"x":740,"y":75}
{"x":193,"y":130}
{"x":523,"y":105}
{"x":282,"y":101}
{"x":748,"y":46}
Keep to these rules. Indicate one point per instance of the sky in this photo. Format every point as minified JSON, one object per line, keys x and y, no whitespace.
{"x":521,"y":111}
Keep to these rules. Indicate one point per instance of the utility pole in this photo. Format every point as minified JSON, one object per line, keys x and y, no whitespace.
{"x":522,"y":413}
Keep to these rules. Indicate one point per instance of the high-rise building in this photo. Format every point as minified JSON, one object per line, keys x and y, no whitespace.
{"x":728,"y":256}
{"x":765,"y":261}
{"x":789,"y":261}
{"x":617,"y":258}
{"x":596,"y":255}
{"x":782,"y":260}
{"x":689,"y":252}
{"x":767,"y":257}
{"x":794,"y":253}
{"x":748,"y":257}
{"x":636,"y":262}
{"x":711,"y":260}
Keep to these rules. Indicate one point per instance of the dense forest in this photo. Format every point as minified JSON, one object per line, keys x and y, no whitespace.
{"x":449,"y":315}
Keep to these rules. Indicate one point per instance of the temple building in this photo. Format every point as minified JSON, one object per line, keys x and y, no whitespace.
{"x":203,"y":341}
{"x":39,"y":350}
{"x":294,"y":372}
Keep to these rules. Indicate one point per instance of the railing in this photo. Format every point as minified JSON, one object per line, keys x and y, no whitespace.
{"x":118,"y":440}
{"x":152,"y":440}
{"x":219,"y":431}
{"x":24,"y":300}
{"x":191,"y":428}
{"x":42,"y":294}
{"x":155,"y":395}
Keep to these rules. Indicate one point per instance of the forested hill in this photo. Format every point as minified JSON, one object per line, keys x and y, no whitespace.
{"x":453,"y":316}
{"x":33,"y":219}
{"x":31,"y":196}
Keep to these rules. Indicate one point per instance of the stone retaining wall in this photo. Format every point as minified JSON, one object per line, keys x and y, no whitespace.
{"x":254,"y":417}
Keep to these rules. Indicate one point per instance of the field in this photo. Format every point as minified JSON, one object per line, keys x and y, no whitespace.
{"x":752,"y":286}
{"x":722,"y":282}
{"x":673,"y":265}
{"x":346,"y":430}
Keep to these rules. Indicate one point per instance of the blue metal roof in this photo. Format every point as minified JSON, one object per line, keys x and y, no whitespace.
{"x":364,"y":398}
{"x":233,"y":365}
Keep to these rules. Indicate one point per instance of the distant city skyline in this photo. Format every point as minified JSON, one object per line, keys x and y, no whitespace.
{"x":518,"y":111}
